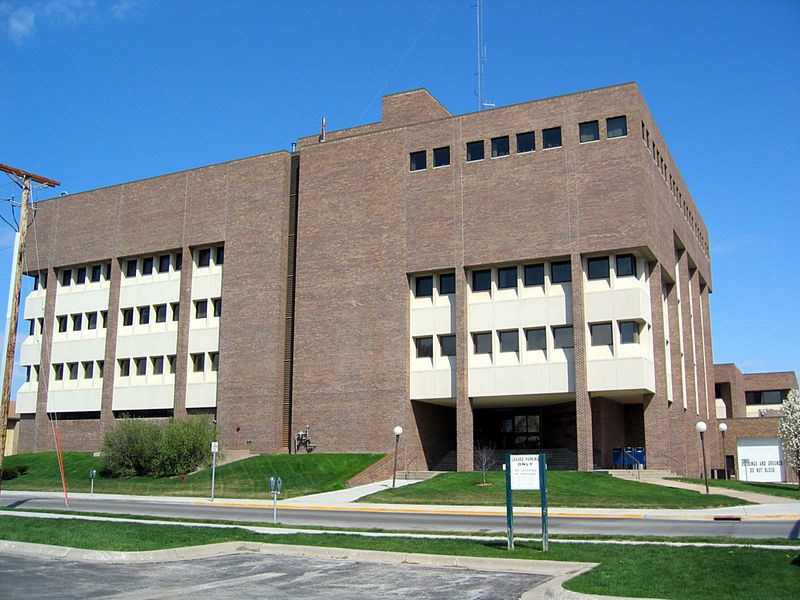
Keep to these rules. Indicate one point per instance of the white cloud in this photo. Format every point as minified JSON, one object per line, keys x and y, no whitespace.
{"x":21,"y":23}
{"x":122,"y":8}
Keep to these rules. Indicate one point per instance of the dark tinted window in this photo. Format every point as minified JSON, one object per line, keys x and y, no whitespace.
{"x":483,"y":343}
{"x":536,"y":339}
{"x":80,"y":276}
{"x":91,"y":320}
{"x":130,"y":268}
{"x":163,"y":263}
{"x":217,"y":303}
{"x":481,"y":280}
{"x":629,"y":332}
{"x":127,"y":317}
{"x":158,"y":365}
{"x":441,"y":156}
{"x":626,"y":265}
{"x":141,"y":365}
{"x":124,"y":367}
{"x":509,"y":341}
{"x":66,"y":277}
{"x":144,"y":315}
{"x":598,"y":267}
{"x":424,"y":347}
{"x":562,"y":337}
{"x":601,"y":334}
{"x":62,"y":323}
{"x":77,"y":322}
{"x":97,"y":271}
{"x":418,"y":160}
{"x":423,"y":286}
{"x":161,"y":313}
{"x":507,"y":277}
{"x":526,"y":142}
{"x":534,"y":274}
{"x":204,"y":257}
{"x":200,"y":309}
{"x":147,"y":265}
{"x":475,"y":150}
{"x":561,"y":272}
{"x":551,"y":138}
{"x":448,"y":345}
{"x":220,"y":259}
{"x":447,"y":283}
{"x":589,"y":131}
{"x":617,"y":126}
{"x":500,"y":146}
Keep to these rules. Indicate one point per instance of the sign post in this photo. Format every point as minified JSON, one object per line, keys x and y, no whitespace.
{"x":275,"y":489}
{"x":214,"y":450}
{"x":525,"y":472}
{"x":92,"y":475}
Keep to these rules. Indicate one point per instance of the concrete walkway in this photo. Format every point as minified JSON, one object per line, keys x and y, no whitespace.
{"x":754,"y":497}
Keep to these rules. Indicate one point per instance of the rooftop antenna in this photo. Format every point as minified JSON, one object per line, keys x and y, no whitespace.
{"x":481,"y":59}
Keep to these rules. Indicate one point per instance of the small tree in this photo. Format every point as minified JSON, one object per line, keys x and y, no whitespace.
{"x":789,"y":431}
{"x":130,"y":448}
{"x":185,"y":446}
{"x":484,"y":458}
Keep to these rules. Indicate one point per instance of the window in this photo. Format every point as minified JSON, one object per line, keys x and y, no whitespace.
{"x":107,"y":270}
{"x":163,"y":263}
{"x":200,"y":309}
{"x":144,"y":315}
{"x":447,"y":283}
{"x":441,"y":156}
{"x":58,"y":371}
{"x":509,"y":340}
{"x":482,"y":280}
{"x":198,"y":362}
{"x":507,"y":277}
{"x":589,"y":131}
{"x":217,"y":304}
{"x":601,"y":334}
{"x":534,"y":274}
{"x":178,"y":261}
{"x":626,"y":265}
{"x":88,"y":370}
{"x":482,"y":342}
{"x":424,"y":346}
{"x":500,"y":146}
{"x":447,"y":343}
{"x":161,"y":312}
{"x":171,"y":359}
{"x":562,"y":337}
{"x":561,"y":272}
{"x":526,"y":142}
{"x":124,"y":367}
{"x":176,"y":310}
{"x":130,"y":268}
{"x":765,"y":397}
{"x":97,"y":273}
{"x":104,"y":314}
{"x":423,"y":286}
{"x":77,"y":321}
{"x":618,"y":126}
{"x":147,"y":265}
{"x":220,"y":257}
{"x":214,"y":358}
{"x":204,"y":257}
{"x":598,"y":267}
{"x":127,"y":317}
{"x":62,"y":323}
{"x":66,"y":277}
{"x":536,"y":339}
{"x":475,"y":150}
{"x":551,"y":138}
{"x":100,"y":364}
{"x":35,"y":282}
{"x":628,"y":332}
{"x":28,"y":373}
{"x":418,"y":161}
{"x":91,"y":320}
{"x":72,"y":369}
{"x":141,"y":366}
{"x":80,"y":275}
{"x":31,"y":326}
{"x":158,"y":365}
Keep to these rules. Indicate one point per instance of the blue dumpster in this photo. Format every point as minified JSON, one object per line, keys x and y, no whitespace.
{"x":628,"y":458}
{"x":638,"y":453}
{"x":618,"y":458}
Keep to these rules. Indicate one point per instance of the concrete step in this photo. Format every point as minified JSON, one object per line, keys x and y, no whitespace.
{"x":418,"y":475}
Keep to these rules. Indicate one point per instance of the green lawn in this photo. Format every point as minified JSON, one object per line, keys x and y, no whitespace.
{"x":786,"y":490}
{"x":644,"y":571}
{"x":301,"y":474}
{"x":564,"y":488}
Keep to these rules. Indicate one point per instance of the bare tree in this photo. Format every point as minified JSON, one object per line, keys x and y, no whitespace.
{"x":484,"y":458}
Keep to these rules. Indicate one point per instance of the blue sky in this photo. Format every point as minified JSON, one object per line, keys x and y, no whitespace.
{"x":98,"y":93}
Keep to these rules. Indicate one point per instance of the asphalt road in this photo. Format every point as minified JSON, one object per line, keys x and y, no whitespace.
{"x":245,"y":576}
{"x":353,"y":517}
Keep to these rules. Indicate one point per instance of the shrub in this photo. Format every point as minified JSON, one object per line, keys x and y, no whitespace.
{"x":131,"y":448}
{"x":185,"y":446}
{"x":12,"y":472}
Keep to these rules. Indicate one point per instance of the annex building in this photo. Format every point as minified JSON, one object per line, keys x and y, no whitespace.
{"x":534,"y":277}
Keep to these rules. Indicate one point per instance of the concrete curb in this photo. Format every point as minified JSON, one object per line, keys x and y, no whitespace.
{"x":558,"y":571}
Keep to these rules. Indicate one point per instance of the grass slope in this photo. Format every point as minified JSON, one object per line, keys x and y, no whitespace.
{"x":785,"y":490}
{"x":648,"y":570}
{"x":249,"y":478}
{"x":564,"y":488}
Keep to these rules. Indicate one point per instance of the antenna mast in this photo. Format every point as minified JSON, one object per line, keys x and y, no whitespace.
{"x":481,"y":59}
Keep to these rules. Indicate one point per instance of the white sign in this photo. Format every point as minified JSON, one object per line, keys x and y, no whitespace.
{"x":761,"y":459}
{"x":214,"y":447}
{"x":524,"y":471}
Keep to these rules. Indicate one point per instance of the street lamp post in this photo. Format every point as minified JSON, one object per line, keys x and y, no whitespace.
{"x":701,"y":429}
{"x":723,"y":427}
{"x":397,"y":431}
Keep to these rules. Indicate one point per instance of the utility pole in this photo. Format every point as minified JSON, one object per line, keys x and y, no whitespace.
{"x":22,"y":179}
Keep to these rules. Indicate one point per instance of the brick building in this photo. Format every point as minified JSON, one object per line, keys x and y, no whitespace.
{"x":533,"y":276}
